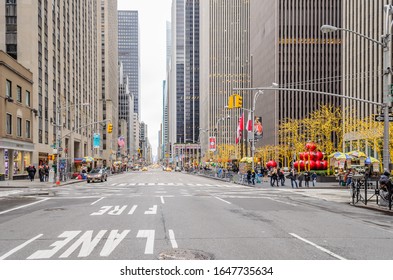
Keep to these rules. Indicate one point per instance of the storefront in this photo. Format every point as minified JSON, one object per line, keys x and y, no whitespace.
{"x":15,"y":157}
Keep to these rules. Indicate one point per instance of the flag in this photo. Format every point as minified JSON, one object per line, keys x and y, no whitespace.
{"x":249,"y":122}
{"x":240,"y":128}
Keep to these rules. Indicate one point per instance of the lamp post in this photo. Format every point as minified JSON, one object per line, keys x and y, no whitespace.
{"x":58,"y":135}
{"x":387,"y":72}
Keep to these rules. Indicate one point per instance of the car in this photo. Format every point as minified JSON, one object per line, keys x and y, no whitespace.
{"x":177,"y":169}
{"x":144,"y":168}
{"x":168,"y":169}
{"x":98,"y":174}
{"x":135,"y":168}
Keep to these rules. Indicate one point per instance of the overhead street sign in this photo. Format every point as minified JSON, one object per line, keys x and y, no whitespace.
{"x":380,"y":118}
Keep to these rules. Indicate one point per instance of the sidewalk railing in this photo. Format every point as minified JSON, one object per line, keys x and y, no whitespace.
{"x":365,"y":190}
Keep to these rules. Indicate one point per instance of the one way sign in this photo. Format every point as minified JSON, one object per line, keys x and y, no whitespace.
{"x":380,"y":118}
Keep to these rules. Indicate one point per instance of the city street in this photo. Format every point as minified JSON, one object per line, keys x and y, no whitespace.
{"x":171,"y":215}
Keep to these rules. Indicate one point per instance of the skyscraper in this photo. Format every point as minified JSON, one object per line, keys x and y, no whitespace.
{"x":225,"y":64}
{"x":129,"y":53}
{"x":288,"y":48}
{"x":184,"y":91}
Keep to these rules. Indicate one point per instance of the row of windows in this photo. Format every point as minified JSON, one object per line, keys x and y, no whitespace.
{"x":18,"y":126}
{"x":8,"y":93}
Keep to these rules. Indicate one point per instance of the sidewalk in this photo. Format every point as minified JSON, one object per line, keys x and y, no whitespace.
{"x":329,"y":191}
{"x":34,"y":184}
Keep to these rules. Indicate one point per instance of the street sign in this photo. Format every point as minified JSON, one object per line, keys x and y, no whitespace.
{"x":60,"y":149}
{"x":380,"y":118}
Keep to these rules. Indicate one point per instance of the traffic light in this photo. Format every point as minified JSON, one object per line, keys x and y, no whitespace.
{"x":109,"y":128}
{"x":231,"y":101}
{"x":238,"y":101}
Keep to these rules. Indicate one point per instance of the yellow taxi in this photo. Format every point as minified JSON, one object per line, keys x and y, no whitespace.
{"x":144,"y":168}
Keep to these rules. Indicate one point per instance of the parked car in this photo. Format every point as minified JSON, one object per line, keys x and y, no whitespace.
{"x":97,"y":175}
{"x":168,"y":169}
{"x":177,"y":169}
{"x":144,"y":168}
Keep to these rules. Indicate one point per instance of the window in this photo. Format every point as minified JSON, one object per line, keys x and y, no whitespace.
{"x":19,"y":94}
{"x":8,"y":89}
{"x":9,"y":124}
{"x":19,"y":126}
{"x":28,"y":132}
{"x":27,"y":98}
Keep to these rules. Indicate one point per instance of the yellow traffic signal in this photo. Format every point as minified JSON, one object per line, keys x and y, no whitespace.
{"x":238,"y":101}
{"x":109,"y":128}
{"x":231,"y":101}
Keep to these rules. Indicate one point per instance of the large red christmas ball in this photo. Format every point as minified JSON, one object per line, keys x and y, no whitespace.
{"x":268,"y":164}
{"x":274,"y":164}
{"x":311,"y":146}
{"x":301,"y":165}
{"x":310,"y":164}
{"x":301,"y":156}
{"x":324,"y":165}
{"x":318,"y":164}
{"x":319,"y":155}
{"x":296,"y":165}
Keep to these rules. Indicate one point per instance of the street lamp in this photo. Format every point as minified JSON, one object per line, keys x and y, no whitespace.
{"x":58,"y":135}
{"x":387,"y":68}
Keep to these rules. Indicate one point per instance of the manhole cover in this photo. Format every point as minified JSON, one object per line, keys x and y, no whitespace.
{"x":54,"y":209}
{"x":184,"y":254}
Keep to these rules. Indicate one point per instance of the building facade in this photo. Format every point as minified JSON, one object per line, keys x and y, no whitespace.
{"x":109,"y":97}
{"x":59,"y":42}
{"x":128,"y":41}
{"x":288,"y":48}
{"x":362,"y":68}
{"x":185,"y":68}
{"x":225,"y":64}
{"x":17,"y":116}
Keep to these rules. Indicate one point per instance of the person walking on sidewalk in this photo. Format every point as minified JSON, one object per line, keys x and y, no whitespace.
{"x":31,"y":171}
{"x":306,"y":179}
{"x":301,"y":178}
{"x":348,"y":177}
{"x":292,"y":176}
{"x":314,"y":178}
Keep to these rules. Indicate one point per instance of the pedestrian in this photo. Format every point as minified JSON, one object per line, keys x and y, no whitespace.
{"x":273,"y":177}
{"x":301,"y":178}
{"x":281,"y":177}
{"x":249,"y":177}
{"x":41,"y":172}
{"x":31,"y":171}
{"x":46,"y":171}
{"x":314,"y":178}
{"x":292,"y":176}
{"x":306,"y":179}
{"x":348,"y":177}
{"x":253,"y":177}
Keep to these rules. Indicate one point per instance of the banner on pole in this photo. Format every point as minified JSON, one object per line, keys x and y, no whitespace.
{"x":258,"y":128}
{"x":212,"y":144}
{"x":96,"y":140}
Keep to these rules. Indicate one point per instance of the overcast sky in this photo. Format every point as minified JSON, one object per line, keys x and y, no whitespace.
{"x":153,"y":15}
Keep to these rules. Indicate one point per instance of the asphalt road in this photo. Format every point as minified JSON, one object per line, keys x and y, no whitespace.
{"x":160,"y":215}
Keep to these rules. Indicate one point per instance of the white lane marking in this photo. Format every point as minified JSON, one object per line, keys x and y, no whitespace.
{"x":87,"y":242}
{"x":152,"y":184}
{"x":46,"y":254}
{"x":132,"y":210}
{"x":161,"y":192}
{"x":97,"y":201}
{"x":132,"y":184}
{"x":7,"y":193}
{"x":162,"y":200}
{"x":172,"y":239}
{"x":149,"y":234}
{"x":318,"y":247}
{"x":171,"y":184}
{"x":117,"y":210}
{"x":223,"y":200}
{"x":102,"y":211}
{"x":113,"y":241}
{"x":276,"y":200}
{"x":141,"y":184}
{"x":122,"y":185}
{"x":16,"y":249}
{"x":114,"y":184}
{"x":23,"y":206}
{"x":152,"y":211}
